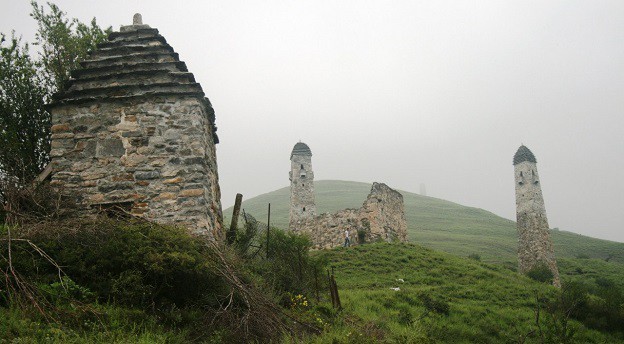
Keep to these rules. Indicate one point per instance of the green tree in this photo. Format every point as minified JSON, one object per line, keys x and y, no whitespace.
{"x":64,"y":43}
{"x":28,"y":83}
{"x":24,"y":123}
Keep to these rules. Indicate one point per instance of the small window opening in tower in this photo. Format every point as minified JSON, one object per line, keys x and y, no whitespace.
{"x":303,"y":174}
{"x":536,"y":182}
{"x":520,"y":183}
{"x":302,"y":167}
{"x":520,"y":173}
{"x":303,"y":208}
{"x":302,"y":184}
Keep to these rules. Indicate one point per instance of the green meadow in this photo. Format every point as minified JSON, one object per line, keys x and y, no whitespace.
{"x":437,"y":224}
{"x":440,"y":298}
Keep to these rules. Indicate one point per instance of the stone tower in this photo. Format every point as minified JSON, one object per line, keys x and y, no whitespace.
{"x":134,"y":132}
{"x":534,"y":243}
{"x":302,"y":205}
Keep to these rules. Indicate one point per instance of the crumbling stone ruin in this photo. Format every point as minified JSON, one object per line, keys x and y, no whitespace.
{"x":301,"y":177}
{"x":534,"y":244}
{"x":133,"y":131}
{"x":381,"y":217}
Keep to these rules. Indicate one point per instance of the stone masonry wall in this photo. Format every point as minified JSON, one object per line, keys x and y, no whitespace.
{"x":302,"y":204}
{"x":534,"y":242}
{"x":381,"y":217}
{"x":156,"y":155}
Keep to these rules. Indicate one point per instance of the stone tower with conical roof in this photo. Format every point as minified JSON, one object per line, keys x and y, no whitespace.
{"x":302,"y":205}
{"x":134,"y":133}
{"x":534,"y":244}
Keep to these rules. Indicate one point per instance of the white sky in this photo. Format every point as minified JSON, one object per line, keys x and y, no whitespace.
{"x":405,"y":92}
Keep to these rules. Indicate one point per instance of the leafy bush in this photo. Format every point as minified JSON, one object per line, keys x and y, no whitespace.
{"x":361,"y":236}
{"x":134,"y":263}
{"x":289,"y":267}
{"x":286,"y":266}
{"x":164,"y":271}
{"x":540,"y":273}
{"x":475,"y":256}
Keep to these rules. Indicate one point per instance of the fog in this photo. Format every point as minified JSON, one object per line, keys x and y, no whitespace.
{"x":406,"y":92}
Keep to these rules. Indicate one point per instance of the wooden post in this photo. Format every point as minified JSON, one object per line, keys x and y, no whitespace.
{"x":231,"y":234}
{"x":316,"y":285}
{"x":333,"y":290}
{"x":268,"y":229}
{"x":335,"y":286}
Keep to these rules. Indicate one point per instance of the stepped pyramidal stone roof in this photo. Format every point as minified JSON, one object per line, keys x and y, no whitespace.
{"x":523,"y":154}
{"x":301,"y":149}
{"x":136,"y":62}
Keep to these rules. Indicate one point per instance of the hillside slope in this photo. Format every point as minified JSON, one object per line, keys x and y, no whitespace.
{"x":436,"y":223}
{"x":440,"y":298}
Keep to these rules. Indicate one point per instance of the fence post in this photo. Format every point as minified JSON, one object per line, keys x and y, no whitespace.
{"x":231,"y":234}
{"x":268,"y":229}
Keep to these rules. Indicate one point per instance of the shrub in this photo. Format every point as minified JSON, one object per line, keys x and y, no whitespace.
{"x":134,"y":263}
{"x":475,"y":256}
{"x":540,"y":273}
{"x":162,"y":270}
{"x":289,"y":266}
{"x":361,"y":236}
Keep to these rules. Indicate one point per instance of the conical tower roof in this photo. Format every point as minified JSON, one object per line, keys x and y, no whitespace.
{"x":523,"y":154}
{"x":301,"y":149}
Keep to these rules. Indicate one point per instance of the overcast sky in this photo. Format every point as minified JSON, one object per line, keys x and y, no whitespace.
{"x":405,"y":92}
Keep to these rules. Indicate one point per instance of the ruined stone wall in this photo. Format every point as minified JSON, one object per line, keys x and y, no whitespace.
{"x":534,"y":242}
{"x":157,"y":156}
{"x":381,"y":218}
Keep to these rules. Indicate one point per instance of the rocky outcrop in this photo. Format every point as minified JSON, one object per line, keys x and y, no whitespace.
{"x":381,"y":218}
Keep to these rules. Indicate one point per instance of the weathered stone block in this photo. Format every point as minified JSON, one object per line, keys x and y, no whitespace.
{"x":146,"y":175}
{"x":192,"y":193}
{"x":59,"y":128}
{"x":110,"y":147}
{"x":175,"y":180}
{"x":108,"y":187}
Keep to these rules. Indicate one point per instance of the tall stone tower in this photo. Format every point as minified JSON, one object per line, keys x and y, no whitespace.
{"x":302,"y":205}
{"x":534,"y":244}
{"x":134,"y":132}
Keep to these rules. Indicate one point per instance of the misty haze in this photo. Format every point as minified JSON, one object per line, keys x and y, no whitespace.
{"x":437,"y":93}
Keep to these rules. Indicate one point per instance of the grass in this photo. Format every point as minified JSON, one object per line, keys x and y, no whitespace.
{"x":437,"y":224}
{"x":443,"y":298}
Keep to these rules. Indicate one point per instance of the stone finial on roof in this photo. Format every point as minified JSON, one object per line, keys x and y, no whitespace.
{"x":137,"y":19}
{"x":137,"y":24}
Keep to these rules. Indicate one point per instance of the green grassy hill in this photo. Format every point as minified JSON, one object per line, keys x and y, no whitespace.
{"x":441,"y":298}
{"x":437,"y":224}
